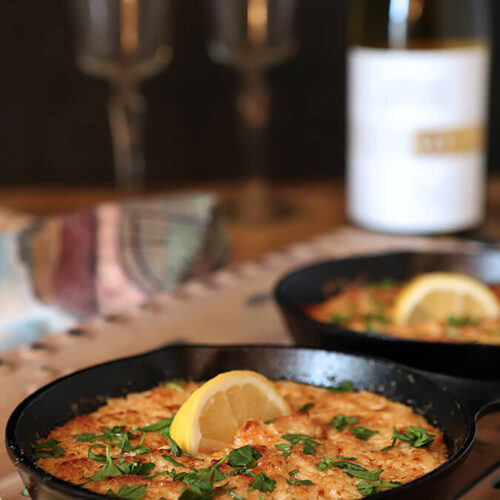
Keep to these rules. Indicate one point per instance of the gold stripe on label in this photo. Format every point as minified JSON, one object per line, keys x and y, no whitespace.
{"x":463,"y":140}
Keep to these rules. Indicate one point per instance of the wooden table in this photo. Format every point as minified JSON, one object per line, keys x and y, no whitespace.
{"x":320,"y":208}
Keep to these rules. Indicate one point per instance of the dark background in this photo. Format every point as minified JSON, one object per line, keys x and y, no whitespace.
{"x":54,"y":128}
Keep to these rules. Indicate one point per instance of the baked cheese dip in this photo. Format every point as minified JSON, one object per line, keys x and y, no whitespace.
{"x":336,"y":444}
{"x":373,"y":307}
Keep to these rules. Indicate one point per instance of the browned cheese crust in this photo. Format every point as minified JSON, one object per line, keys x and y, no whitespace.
{"x":401,"y":463}
{"x":368,"y":308}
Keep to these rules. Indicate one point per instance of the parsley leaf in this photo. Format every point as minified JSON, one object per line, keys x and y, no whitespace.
{"x":86,"y":437}
{"x":286,"y":454}
{"x":270,"y":421}
{"x":25,"y":492}
{"x":307,"y":441}
{"x":461,"y":321}
{"x":175,"y":385}
{"x":172,"y":460}
{"x":48,"y":449}
{"x":137,"y":468}
{"x":134,"y":492}
{"x":110,"y":469}
{"x":362,"y":432}
{"x":116,"y":436}
{"x":127,"y":447}
{"x":300,"y":482}
{"x":352,"y":470}
{"x":415,"y":436}
{"x":246,"y":456}
{"x":326,"y":463}
{"x":384,"y":283}
{"x":283,"y":446}
{"x":164,"y":423}
{"x":367,"y":488}
{"x":340,"y":421}
{"x":94,"y":456}
{"x":200,"y":482}
{"x":344,"y":386}
{"x":338,"y":320}
{"x":263,"y":483}
{"x":236,"y":496}
{"x":346,"y":458}
{"x":369,"y":319}
{"x":306,"y":408}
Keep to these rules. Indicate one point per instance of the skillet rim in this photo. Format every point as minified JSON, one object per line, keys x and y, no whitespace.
{"x":281,"y":298}
{"x":22,"y":461}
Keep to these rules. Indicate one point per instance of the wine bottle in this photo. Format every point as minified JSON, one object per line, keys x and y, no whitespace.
{"x":418,"y":81}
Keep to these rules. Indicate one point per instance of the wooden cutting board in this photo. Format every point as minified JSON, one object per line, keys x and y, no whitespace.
{"x":231,"y":306}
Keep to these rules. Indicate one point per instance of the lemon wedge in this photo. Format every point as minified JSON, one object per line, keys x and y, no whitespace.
{"x":439,"y":296}
{"x":209,"y":419}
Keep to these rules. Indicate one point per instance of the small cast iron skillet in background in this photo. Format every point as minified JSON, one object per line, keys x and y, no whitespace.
{"x":451,"y":404}
{"x":307,"y":286}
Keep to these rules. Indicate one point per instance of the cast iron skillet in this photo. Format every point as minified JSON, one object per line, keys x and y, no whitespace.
{"x":452,"y":404}
{"x":306,"y":286}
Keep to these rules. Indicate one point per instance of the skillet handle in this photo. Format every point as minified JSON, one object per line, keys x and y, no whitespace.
{"x":478,"y":397}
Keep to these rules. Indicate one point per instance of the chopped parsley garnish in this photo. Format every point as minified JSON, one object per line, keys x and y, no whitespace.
{"x":270,"y":421}
{"x":286,"y":454}
{"x":116,"y":436}
{"x":236,"y":496}
{"x":48,"y":449}
{"x":307,"y":441}
{"x":341,"y":421}
{"x":25,"y":492}
{"x":262,"y":482}
{"x":369,"y":475}
{"x":163,"y":426}
{"x":346,"y":458}
{"x":283,"y":446}
{"x":352,"y":470}
{"x":97,"y":457}
{"x":384,"y":283}
{"x":172,"y":460}
{"x":344,"y":386}
{"x":110,"y":469}
{"x":362,"y":432}
{"x":300,"y":482}
{"x":326,"y":463}
{"x":415,"y":436}
{"x":462,"y":321}
{"x":367,"y":488}
{"x":127,"y":447}
{"x":174,"y":447}
{"x":164,"y":423}
{"x":339,"y":320}
{"x":306,"y":408}
{"x":175,"y":385}
{"x":369,"y":319}
{"x":111,"y":435}
{"x":134,"y":492}
{"x":201,"y":482}
{"x":246,"y":456}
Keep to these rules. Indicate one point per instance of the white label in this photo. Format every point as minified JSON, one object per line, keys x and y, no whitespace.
{"x":416,"y":138}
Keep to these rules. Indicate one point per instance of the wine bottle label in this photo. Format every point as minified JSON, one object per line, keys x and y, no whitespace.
{"x":416,"y":127}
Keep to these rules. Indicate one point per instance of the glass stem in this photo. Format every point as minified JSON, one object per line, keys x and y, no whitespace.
{"x":255,"y":203}
{"x":127,"y":110}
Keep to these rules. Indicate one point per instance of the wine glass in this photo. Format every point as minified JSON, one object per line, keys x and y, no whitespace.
{"x":252,"y":36}
{"x":124,"y":41}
